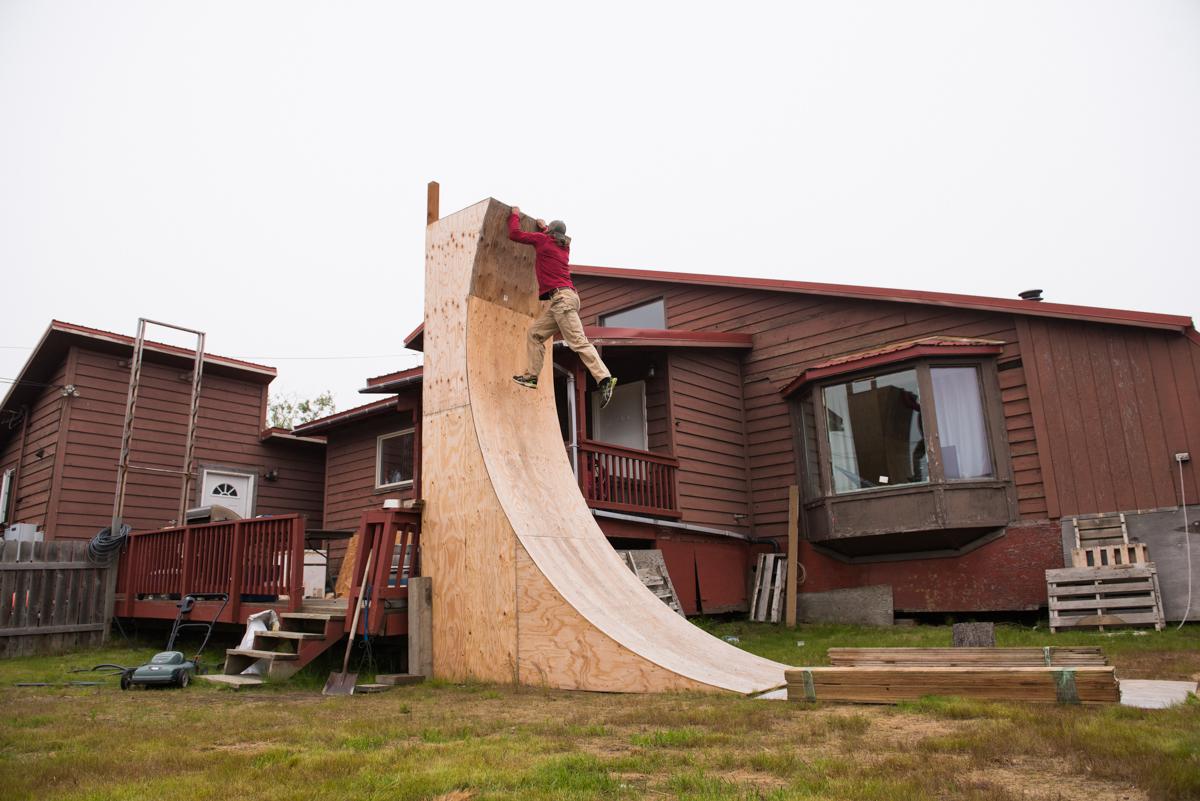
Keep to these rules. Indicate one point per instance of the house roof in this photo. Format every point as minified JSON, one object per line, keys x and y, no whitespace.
{"x":1010,"y":305}
{"x":338,"y":419}
{"x":392,"y":382}
{"x":630,"y":337}
{"x":278,"y":434}
{"x":1174,"y":322}
{"x":892,"y":353}
{"x":59,"y":336}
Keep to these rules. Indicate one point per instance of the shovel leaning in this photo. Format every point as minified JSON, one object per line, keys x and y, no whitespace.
{"x":343,"y":683}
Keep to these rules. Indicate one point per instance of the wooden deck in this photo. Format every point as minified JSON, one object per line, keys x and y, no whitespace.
{"x":259,"y":563}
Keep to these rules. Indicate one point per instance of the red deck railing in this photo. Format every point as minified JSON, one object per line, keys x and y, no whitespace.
{"x":627,"y":480}
{"x":394,"y":537}
{"x":259,"y":560}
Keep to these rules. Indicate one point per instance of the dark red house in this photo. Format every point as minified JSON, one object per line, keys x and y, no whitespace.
{"x":60,"y":437}
{"x":939,"y":440}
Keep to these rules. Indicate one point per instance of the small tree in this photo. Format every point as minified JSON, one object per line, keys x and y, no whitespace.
{"x":288,"y":412}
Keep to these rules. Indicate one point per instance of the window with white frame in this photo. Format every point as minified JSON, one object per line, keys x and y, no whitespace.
{"x":5,"y":494}
{"x":394,"y":459}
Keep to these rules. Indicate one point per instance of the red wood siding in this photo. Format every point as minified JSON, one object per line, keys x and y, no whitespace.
{"x":792,"y":332}
{"x":1022,"y":442}
{"x":350,"y":469}
{"x":231,"y":418}
{"x":709,"y":438}
{"x":32,"y":493}
{"x":1115,"y":404}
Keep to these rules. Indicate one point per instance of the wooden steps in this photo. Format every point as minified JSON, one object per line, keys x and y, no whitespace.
{"x":888,"y":685}
{"x":291,"y":635}
{"x":237,"y":682}
{"x":302,"y":637}
{"x":279,"y":656}
{"x":312,"y":615}
{"x":967,"y":657}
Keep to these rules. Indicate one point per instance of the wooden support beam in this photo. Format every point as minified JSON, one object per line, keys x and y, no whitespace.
{"x":420,"y":626}
{"x":793,"y":545}
{"x":431,"y":202}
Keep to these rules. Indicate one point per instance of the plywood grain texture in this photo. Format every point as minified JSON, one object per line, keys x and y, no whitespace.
{"x":528,"y":589}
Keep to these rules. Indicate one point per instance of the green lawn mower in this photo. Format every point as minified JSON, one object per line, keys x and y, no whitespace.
{"x":170,"y":668}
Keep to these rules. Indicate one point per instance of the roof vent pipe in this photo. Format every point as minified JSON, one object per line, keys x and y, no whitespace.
{"x":1031,"y":294}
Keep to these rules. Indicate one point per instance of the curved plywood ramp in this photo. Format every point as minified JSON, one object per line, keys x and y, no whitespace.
{"x":527,"y":589}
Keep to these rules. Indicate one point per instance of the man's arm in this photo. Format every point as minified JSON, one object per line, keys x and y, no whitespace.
{"x":516,"y":234}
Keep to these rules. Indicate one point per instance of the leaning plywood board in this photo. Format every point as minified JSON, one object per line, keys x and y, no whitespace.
{"x":528,"y":589}
{"x":889,"y":685}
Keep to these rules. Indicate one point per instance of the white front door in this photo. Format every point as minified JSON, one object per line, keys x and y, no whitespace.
{"x":234,"y":491}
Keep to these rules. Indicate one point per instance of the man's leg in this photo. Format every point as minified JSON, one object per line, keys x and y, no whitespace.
{"x":565,"y":307}
{"x":542,"y":328}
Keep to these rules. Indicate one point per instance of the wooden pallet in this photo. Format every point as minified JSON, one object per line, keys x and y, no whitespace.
{"x":889,"y":685}
{"x":766,"y":603}
{"x":1129,"y":553}
{"x":1119,"y":595}
{"x":967,"y":657}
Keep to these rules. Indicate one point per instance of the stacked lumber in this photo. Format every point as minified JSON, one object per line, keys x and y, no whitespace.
{"x":967,"y":657}
{"x":889,"y":685}
{"x":1117,"y":595}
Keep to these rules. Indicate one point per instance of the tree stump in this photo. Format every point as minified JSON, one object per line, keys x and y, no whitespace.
{"x":974,"y":635}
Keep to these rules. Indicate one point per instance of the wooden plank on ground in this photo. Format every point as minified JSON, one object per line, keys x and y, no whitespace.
{"x":1054,"y":656}
{"x":889,"y":685}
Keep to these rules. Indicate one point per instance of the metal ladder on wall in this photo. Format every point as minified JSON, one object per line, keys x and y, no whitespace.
{"x":124,"y":468}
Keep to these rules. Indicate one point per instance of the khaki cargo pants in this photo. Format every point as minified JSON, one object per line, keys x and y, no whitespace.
{"x":561,"y":313}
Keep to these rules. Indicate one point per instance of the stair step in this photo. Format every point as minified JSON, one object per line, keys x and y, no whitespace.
{"x":232,"y":681}
{"x":278,"y":656}
{"x":290,"y":635}
{"x":313,"y":615}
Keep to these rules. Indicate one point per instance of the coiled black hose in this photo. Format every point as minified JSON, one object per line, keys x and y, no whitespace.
{"x":103,"y":547}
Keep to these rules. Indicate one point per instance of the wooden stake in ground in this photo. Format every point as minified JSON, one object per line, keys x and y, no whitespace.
{"x":792,"y":556}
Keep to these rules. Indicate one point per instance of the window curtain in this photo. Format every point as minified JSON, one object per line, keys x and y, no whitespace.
{"x":962,"y":433}
{"x":841,"y":440}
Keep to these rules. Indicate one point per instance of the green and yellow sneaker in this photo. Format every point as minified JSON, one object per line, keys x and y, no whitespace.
{"x":606,"y":390}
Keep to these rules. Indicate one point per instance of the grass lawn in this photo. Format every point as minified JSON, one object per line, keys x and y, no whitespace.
{"x":457,"y":742}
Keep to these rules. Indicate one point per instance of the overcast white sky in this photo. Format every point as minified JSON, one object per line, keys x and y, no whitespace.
{"x":258,"y":169}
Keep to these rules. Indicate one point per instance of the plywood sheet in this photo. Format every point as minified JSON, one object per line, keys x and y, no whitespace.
{"x":527,"y":588}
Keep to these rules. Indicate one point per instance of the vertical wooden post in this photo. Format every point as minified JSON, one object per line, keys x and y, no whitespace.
{"x":185,"y":575}
{"x":237,"y":555}
{"x":420,"y":626}
{"x":793,"y":546}
{"x":296,"y":591}
{"x":431,"y":202}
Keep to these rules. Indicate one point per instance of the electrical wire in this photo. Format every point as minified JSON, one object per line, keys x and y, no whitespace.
{"x":1187,"y":545}
{"x":105,"y":544}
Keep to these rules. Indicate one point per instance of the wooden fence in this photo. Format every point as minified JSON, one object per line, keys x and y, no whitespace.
{"x":51,"y":597}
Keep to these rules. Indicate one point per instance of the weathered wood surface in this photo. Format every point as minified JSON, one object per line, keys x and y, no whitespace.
{"x":888,"y":685}
{"x":974,"y":635}
{"x":967,"y":657}
{"x":529,"y":590}
{"x":51,"y":597}
{"x":1121,"y":595}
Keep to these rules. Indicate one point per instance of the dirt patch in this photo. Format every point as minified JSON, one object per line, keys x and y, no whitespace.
{"x":1039,"y":780}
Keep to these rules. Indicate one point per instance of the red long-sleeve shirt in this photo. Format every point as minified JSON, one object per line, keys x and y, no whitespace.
{"x":551,"y":262}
